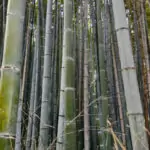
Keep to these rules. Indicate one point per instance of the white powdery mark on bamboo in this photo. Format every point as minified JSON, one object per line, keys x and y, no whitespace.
{"x":69,"y":58}
{"x":69,"y":89}
{"x":16,"y":14}
{"x":10,"y":67}
{"x":68,"y":30}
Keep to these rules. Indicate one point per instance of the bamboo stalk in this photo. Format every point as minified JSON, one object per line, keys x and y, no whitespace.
{"x":66,"y":136}
{"x":132,"y":96}
{"x":85,"y":78}
{"x":10,"y":72}
{"x":45,"y":105}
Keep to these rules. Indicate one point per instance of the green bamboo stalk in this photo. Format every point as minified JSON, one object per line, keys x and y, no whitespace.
{"x":4,"y":14}
{"x":56,"y":71}
{"x":66,"y":128}
{"x":85,"y":79}
{"x":37,"y":100}
{"x":1,"y":31}
{"x":103,"y":79}
{"x":31,"y":103}
{"x":10,"y":72}
{"x":93,"y":95}
{"x":45,"y":106}
{"x":25,"y":76}
{"x":80,"y":84}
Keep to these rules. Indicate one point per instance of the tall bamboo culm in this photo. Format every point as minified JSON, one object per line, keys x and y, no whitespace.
{"x":132,"y":96}
{"x":85,"y":80}
{"x":45,"y":106}
{"x":66,"y":136}
{"x":10,"y":72}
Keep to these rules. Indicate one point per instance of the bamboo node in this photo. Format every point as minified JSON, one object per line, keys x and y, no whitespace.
{"x":68,"y":30}
{"x":122,"y":28}
{"x":69,"y":89}
{"x":62,"y":90}
{"x":10,"y":67}
{"x":62,"y":116}
{"x":134,"y":114}
{"x":127,"y":68}
{"x":69,"y":58}
{"x":7,"y":135}
{"x":59,"y":142}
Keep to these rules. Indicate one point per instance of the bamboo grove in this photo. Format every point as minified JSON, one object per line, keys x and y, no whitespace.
{"x":75,"y":75}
